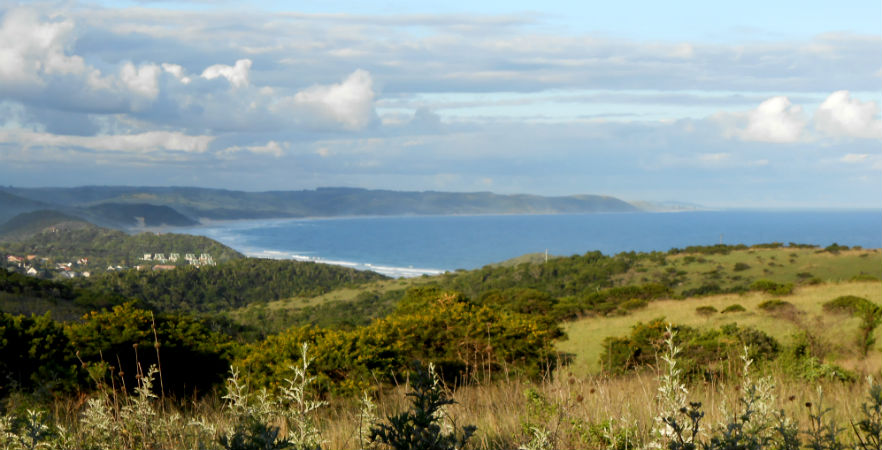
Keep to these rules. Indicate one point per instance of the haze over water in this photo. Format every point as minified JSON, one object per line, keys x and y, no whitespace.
{"x":413,"y":245}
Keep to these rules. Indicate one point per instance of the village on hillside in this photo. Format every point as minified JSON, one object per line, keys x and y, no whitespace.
{"x":51,"y":268}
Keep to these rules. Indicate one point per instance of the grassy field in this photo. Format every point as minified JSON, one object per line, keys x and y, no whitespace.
{"x":586,"y":335}
{"x":783,"y":265}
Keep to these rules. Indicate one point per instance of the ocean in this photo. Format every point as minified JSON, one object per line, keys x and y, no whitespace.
{"x":414,"y":245}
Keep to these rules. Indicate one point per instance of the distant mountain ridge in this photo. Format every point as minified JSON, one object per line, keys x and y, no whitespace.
{"x":120,"y":206}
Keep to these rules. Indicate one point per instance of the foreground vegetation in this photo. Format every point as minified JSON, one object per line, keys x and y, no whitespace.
{"x":658,"y":408}
{"x":706,"y":347}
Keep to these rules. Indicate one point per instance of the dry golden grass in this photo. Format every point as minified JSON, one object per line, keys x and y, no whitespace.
{"x":502,"y":412}
{"x":585,"y":336}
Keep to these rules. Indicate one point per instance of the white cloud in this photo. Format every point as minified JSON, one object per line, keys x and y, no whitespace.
{"x":151,"y":141}
{"x":237,"y":75}
{"x":270,"y":148}
{"x":177,"y":71}
{"x":775,"y":120}
{"x":31,"y":48}
{"x":350,"y":103}
{"x":853,"y":158}
{"x":842,"y":116}
{"x":141,"y":80}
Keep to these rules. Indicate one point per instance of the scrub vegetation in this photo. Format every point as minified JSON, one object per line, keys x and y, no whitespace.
{"x":700,"y":348}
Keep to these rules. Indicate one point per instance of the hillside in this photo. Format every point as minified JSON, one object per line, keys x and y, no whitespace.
{"x":56,"y":247}
{"x":133,"y":215}
{"x":838,"y":332}
{"x":325,"y":202}
{"x":228,"y":285}
{"x":28,"y":224}
{"x":11,"y":205}
{"x":592,"y":284}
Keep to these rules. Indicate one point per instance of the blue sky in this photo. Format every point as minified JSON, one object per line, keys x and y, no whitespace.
{"x":747,"y":104}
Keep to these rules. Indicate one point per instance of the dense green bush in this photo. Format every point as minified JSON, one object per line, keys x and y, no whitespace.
{"x":461,"y":338}
{"x":35,"y":356}
{"x":705,"y":354}
{"x":733,"y":308}
{"x":739,"y":266}
{"x":227,"y":285}
{"x":771,"y":287}
{"x":776,"y":305}
{"x":191,"y":356}
{"x":849,"y":304}
{"x":705,"y":311}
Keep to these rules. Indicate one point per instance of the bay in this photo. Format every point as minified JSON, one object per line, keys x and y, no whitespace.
{"x":414,"y":245}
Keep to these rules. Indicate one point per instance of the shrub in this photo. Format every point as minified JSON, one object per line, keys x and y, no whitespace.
{"x":703,"y":290}
{"x":703,"y":351}
{"x":634,"y":303}
{"x":848,"y":304}
{"x":775,"y":305}
{"x":706,"y":311}
{"x":733,"y":308}
{"x":36,"y":356}
{"x":835,"y":248}
{"x":739,"y":266}
{"x":771,"y":287}
{"x":421,"y":427}
{"x":462,"y":339}
{"x":869,"y":313}
{"x":191,"y":356}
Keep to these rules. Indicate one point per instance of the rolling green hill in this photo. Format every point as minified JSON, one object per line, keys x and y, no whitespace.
{"x":12,"y":205}
{"x":28,"y":224}
{"x":52,"y":239}
{"x":592,"y":284}
{"x":326,"y":202}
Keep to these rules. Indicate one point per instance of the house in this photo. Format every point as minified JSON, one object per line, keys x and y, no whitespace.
{"x":32,"y":272}
{"x":159,"y":257}
{"x":87,"y":274}
{"x":174,"y":257}
{"x":110,"y":268}
{"x":83,"y":261}
{"x":163,"y":267}
{"x":14,"y":259}
{"x":147,"y":256}
{"x":31,"y":257}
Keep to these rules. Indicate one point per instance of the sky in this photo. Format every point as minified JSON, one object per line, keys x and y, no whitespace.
{"x":752,"y":104}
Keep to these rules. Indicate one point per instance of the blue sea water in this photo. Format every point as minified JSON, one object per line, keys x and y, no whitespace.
{"x":413,"y":245}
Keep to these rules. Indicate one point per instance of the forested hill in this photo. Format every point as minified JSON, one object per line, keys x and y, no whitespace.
{"x":327,"y":202}
{"x":229,"y":285}
{"x":186,"y":289}
{"x":58,"y":239}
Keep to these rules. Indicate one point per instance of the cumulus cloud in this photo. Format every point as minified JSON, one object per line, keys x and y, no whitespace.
{"x":237,"y":75}
{"x":31,"y":48}
{"x":843,"y":116}
{"x":775,"y":120}
{"x":142,"y":81}
{"x":349,"y":103}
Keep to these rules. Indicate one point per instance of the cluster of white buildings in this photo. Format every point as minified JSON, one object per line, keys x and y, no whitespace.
{"x":29,"y":265}
{"x":203,"y":260}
